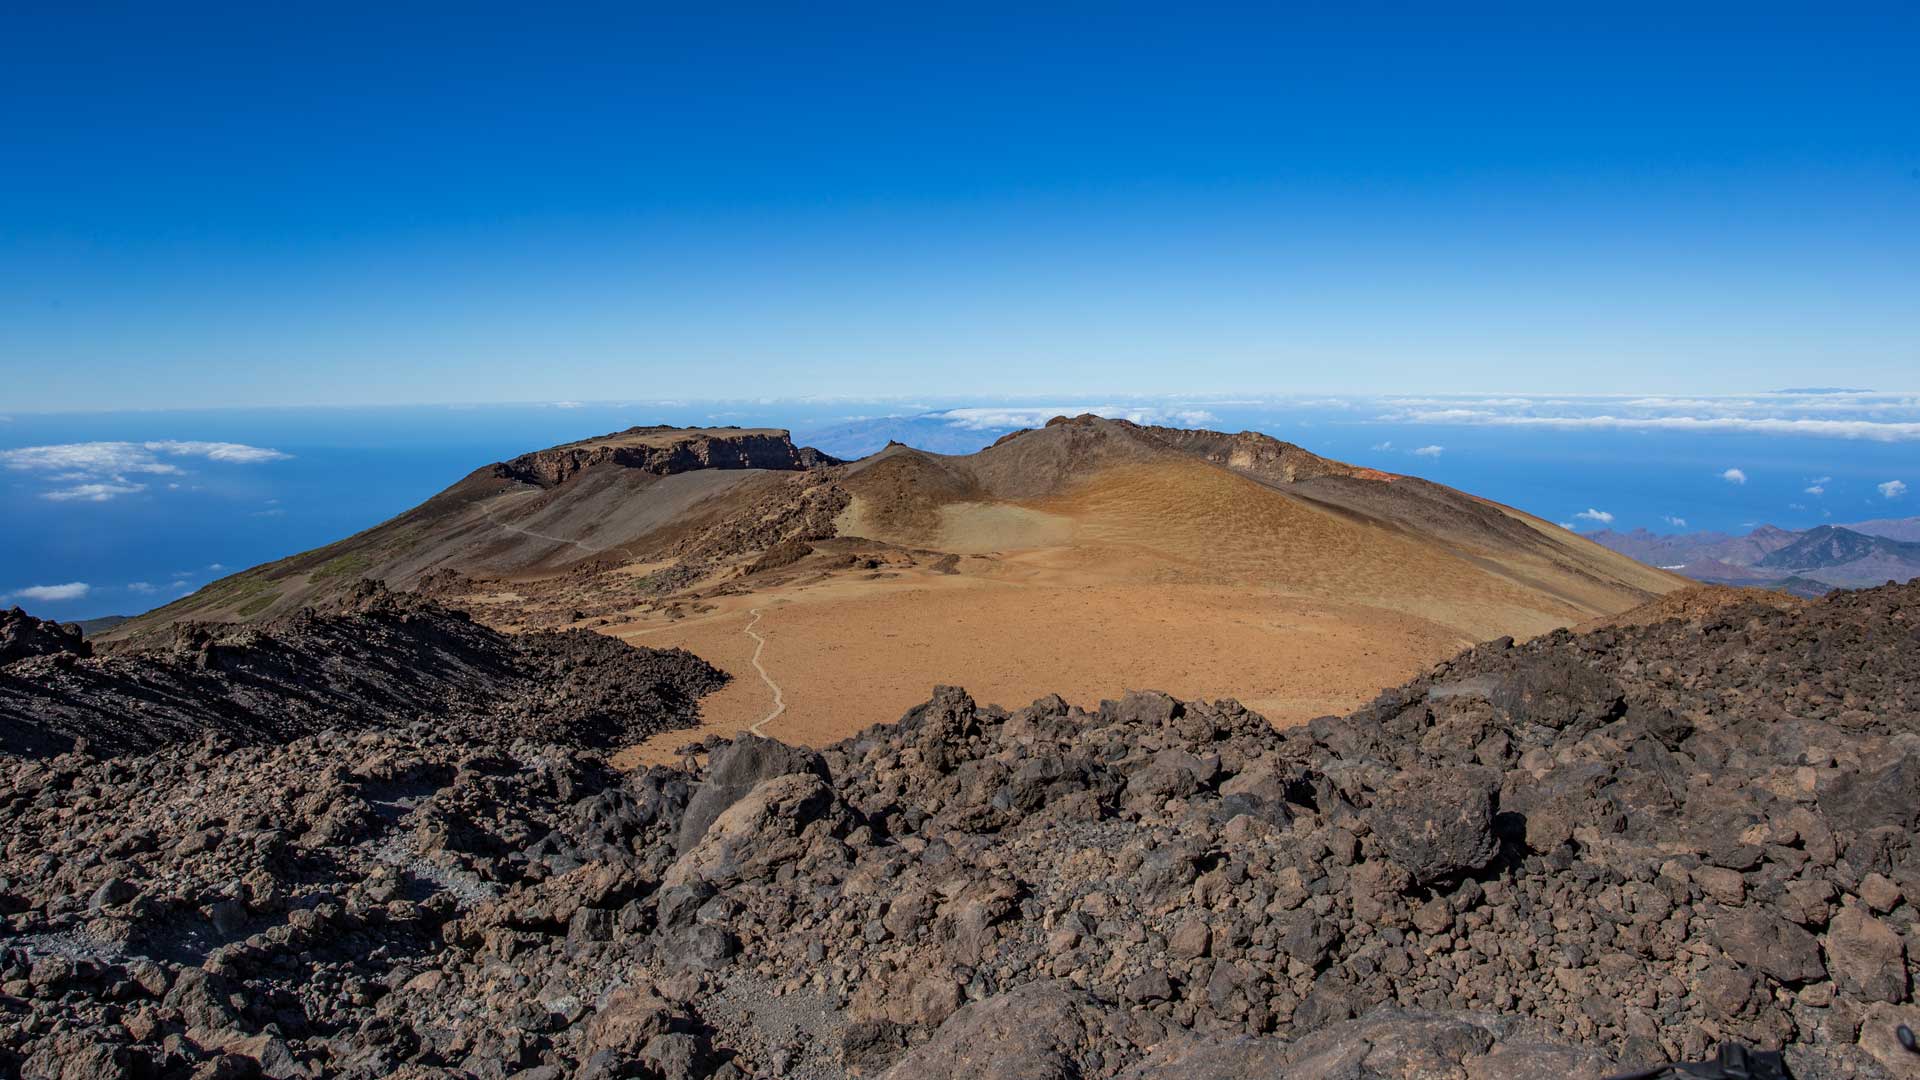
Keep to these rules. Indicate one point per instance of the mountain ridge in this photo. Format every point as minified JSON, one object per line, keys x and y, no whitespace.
{"x":1098,"y":550}
{"x":624,"y":465}
{"x":1831,"y":556}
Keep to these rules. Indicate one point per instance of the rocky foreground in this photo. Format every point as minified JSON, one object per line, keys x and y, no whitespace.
{"x":370,"y":659}
{"x":1538,"y":860}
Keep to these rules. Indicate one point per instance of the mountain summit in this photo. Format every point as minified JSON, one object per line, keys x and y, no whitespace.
{"x":539,"y":514}
{"x":1832,"y":545}
{"x":1077,"y":556}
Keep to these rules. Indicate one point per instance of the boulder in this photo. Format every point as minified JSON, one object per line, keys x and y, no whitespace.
{"x":1436,"y":823}
{"x":1869,"y":798}
{"x":756,"y":834}
{"x":1040,"y":1031}
{"x":1212,"y":1059}
{"x":1866,"y":956}
{"x":1412,"y":1045}
{"x":630,"y":1019}
{"x":1763,"y":941}
{"x":735,"y":770}
{"x":1880,"y":1039}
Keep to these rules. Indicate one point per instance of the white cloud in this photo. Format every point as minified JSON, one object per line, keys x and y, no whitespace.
{"x":1676,"y":522}
{"x":989,"y":419}
{"x":140,"y":586}
{"x":1796,"y":506}
{"x":92,"y":492}
{"x":1414,"y":402}
{"x":100,"y":471}
{"x":1591,"y":514}
{"x":1878,"y":430}
{"x":1430,"y":451}
{"x":1388,"y":445}
{"x":1734,"y":476}
{"x":568,"y":405}
{"x":88,"y":459}
{"x":1816,"y":489}
{"x":46,"y":594}
{"x":1893,"y":489}
{"x":232,"y":453}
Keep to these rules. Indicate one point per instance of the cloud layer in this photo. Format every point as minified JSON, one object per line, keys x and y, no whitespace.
{"x":991,"y":419}
{"x":102,"y":471}
{"x":72,"y":590}
{"x":1851,"y":415}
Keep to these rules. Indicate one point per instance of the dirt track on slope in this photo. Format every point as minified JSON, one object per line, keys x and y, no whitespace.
{"x":852,"y":652}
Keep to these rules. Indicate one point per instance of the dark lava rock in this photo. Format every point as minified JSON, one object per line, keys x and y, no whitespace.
{"x":1763,"y":941}
{"x":380,"y":841}
{"x":1437,"y":823}
{"x":374,"y":658}
{"x":1041,"y":1031}
{"x":734,"y":771}
{"x":22,"y":636}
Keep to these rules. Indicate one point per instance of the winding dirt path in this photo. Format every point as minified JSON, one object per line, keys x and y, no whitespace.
{"x":779,"y":699}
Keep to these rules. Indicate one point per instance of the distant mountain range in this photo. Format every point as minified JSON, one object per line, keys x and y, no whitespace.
{"x":1808,"y":562}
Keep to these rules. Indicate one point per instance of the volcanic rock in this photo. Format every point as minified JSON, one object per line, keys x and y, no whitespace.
{"x":1437,"y":823}
{"x":1043,"y":892}
{"x":373,"y":658}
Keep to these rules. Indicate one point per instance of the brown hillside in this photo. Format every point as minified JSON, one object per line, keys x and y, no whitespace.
{"x":1077,"y":557}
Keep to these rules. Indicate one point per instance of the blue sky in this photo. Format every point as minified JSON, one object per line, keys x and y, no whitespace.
{"x":208,"y":207}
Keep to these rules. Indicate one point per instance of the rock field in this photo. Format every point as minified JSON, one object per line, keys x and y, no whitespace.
{"x":1558,"y":858}
{"x":372,"y":658}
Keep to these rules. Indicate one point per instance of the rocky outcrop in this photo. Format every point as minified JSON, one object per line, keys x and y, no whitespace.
{"x":664,"y":451}
{"x":1261,"y":456}
{"x":1551,"y":859}
{"x":373,"y":658}
{"x":22,"y":636}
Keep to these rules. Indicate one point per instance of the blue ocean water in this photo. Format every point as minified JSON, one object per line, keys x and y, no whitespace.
{"x":117,"y":530}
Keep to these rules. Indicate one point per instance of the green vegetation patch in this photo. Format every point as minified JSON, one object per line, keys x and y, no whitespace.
{"x":351,"y":565}
{"x":232,"y":591}
{"x":258,"y":604}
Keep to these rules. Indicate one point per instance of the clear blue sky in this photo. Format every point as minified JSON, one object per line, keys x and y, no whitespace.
{"x":313,"y":204}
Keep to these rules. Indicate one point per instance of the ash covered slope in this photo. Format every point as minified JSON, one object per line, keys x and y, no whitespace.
{"x":614,"y":497}
{"x":1507,"y":541}
{"x":372,"y":658}
{"x":1257,"y":510}
{"x":1533,"y":861}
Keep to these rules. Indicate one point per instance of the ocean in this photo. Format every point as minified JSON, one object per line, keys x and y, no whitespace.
{"x":115,"y":513}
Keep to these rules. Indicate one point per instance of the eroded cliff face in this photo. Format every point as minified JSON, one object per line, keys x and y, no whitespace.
{"x":1260,"y":455}
{"x":664,"y":451}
